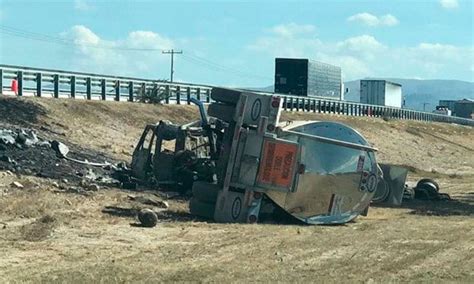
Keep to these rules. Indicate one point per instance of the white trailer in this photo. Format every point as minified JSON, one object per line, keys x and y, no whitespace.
{"x":381,"y":92}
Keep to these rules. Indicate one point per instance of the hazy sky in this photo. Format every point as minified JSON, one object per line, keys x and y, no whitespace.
{"x":234,"y":43}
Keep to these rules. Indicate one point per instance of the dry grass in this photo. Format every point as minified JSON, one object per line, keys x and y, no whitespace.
{"x":419,"y":242}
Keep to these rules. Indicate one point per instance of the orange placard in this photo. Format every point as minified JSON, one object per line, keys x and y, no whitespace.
{"x":278,"y":163}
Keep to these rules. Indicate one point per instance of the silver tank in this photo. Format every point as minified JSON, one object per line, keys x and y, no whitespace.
{"x":339,"y":174}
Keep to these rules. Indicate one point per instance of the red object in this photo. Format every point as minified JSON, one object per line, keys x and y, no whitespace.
{"x":15,"y":86}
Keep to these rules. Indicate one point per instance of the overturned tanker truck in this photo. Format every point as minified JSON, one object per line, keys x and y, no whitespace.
{"x":243,"y":164}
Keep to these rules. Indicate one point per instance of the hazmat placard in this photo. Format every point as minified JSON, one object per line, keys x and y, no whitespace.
{"x":278,"y":164}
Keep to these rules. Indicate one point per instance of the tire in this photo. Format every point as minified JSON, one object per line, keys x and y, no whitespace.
{"x":201,"y":209}
{"x":426,"y":191}
{"x":427,"y":180}
{"x":223,"y":95}
{"x":147,"y":218}
{"x":206,"y":192}
{"x":221,"y":111}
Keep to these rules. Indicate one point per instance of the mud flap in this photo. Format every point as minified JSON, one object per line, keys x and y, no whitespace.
{"x":394,"y":178}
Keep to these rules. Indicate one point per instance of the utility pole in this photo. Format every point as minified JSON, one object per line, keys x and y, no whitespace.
{"x":172,"y":52}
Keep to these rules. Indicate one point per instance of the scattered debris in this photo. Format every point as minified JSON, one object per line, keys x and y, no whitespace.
{"x":23,"y":152}
{"x":149,"y":201}
{"x":17,"y":184}
{"x":425,"y":189}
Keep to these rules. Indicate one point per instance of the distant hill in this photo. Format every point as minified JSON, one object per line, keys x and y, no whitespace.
{"x":416,"y":92}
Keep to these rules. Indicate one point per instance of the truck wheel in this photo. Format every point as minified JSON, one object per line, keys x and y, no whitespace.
{"x":206,"y":192}
{"x":201,"y":209}
{"x":221,"y":111}
{"x":428,"y":180}
{"x":225,"y":95}
{"x":426,"y":191}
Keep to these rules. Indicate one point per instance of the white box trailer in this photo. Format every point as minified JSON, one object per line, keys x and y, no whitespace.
{"x":381,"y":92}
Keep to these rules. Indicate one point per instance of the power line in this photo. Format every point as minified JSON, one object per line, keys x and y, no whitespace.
{"x":172,"y":52}
{"x":202,"y":62}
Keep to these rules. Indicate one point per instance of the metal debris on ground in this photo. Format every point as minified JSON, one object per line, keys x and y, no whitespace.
{"x":24,"y":152}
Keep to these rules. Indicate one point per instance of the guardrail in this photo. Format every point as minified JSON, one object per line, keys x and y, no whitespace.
{"x":57,"y":83}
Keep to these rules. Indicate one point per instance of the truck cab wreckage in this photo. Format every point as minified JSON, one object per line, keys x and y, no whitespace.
{"x":243,"y":164}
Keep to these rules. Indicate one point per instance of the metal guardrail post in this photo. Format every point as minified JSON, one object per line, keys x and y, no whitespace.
{"x":291,"y":104}
{"x":56,"y":86}
{"x":302,"y":103}
{"x":285,"y":103}
{"x":39,"y":84}
{"x":339,"y":108}
{"x":20,"y":83}
{"x":314,"y":105}
{"x":208,"y":95}
{"x":103,"y":90}
{"x":198,"y":94}
{"x":297,"y":104}
{"x":73,"y":86}
{"x":117,"y":90}
{"x":1,"y":81}
{"x":319,"y":106}
{"x":89,"y":88}
{"x":178,"y":95}
{"x":188,"y":95}
{"x":130,"y":91}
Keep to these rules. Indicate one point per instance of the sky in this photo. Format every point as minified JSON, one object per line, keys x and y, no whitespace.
{"x":234,"y":43}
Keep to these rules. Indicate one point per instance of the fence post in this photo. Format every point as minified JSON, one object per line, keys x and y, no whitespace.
{"x":314,"y":105}
{"x":285,"y":106}
{"x":56,"y":86}
{"x":178,"y":95}
{"x":291,"y":104}
{"x":39,"y":81}
{"x":208,"y":95}
{"x":117,"y":90}
{"x":1,"y":81}
{"x":168,"y":94}
{"x":20,"y":83}
{"x":89,"y":88}
{"x":302,"y":103}
{"x":130,"y":91}
{"x":319,"y":106}
{"x":198,"y":94}
{"x":103,"y":90}
{"x":73,"y":86}
{"x":188,"y":95}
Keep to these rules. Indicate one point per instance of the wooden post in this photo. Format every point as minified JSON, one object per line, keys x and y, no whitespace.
{"x":297,"y":104}
{"x":130,"y":91}
{"x":56,"y":85}
{"x":73,"y":86}
{"x":188,"y":95}
{"x":39,"y":87}
{"x":208,"y":96}
{"x":168,"y":94}
{"x":117,"y":90}
{"x":88,"y":88}
{"x":198,"y":94}
{"x":20,"y":83}
{"x":103,"y":90}
{"x":178,"y":95}
{"x":1,"y":81}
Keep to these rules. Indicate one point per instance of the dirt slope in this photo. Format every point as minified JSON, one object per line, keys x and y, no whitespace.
{"x":46,"y":236}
